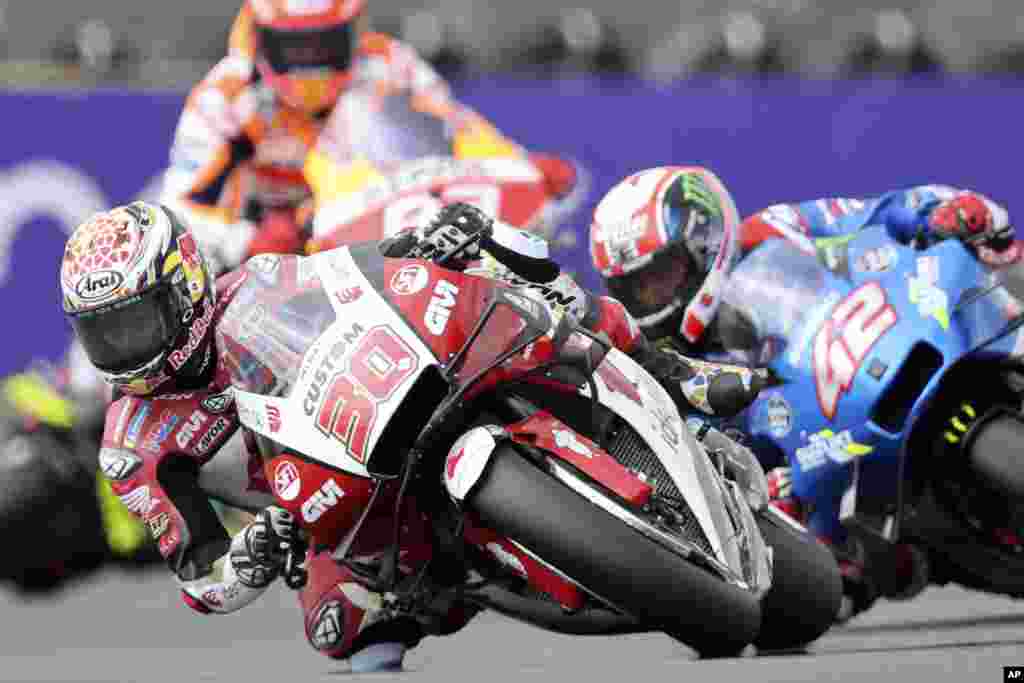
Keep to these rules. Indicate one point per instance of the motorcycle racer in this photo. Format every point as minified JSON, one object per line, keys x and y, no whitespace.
{"x":248,"y":126}
{"x":236,"y":172}
{"x":237,"y":159}
{"x":139,"y":294}
{"x":665,"y":240}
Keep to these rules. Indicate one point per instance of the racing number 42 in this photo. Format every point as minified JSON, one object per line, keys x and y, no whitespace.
{"x":375,"y":369}
{"x":845,"y":338}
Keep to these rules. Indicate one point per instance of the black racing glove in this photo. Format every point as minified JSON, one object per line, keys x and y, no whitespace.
{"x":264,"y":546}
{"x":452,"y":239}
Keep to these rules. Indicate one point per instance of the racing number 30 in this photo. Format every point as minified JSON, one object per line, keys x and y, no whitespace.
{"x":843,"y":341}
{"x":375,"y":369}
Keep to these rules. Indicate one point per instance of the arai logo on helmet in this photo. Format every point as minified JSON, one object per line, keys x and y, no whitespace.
{"x":98,"y":284}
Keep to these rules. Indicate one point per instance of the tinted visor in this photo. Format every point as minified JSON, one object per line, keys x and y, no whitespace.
{"x":657,"y":285}
{"x":696,"y":220}
{"x":287,"y":50}
{"x":127,"y":334}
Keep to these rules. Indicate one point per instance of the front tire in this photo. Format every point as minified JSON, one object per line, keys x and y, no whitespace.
{"x":616,"y":562}
{"x":806,"y":592}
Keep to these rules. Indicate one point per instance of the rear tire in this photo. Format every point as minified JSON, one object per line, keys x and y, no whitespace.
{"x":617,"y":563}
{"x":993,"y":455}
{"x":806,"y":592}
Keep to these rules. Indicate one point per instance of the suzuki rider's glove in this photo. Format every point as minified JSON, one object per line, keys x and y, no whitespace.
{"x":452,"y":239}
{"x":711,"y":388}
{"x":974,"y":219}
{"x":260,"y":549}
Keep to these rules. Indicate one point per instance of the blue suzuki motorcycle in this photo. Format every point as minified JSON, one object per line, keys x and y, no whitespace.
{"x":895,"y":398}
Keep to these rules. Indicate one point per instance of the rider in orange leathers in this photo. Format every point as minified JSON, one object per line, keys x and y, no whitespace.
{"x":248,"y":126}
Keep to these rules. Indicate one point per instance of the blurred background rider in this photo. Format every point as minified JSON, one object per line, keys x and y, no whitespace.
{"x":236,"y":174}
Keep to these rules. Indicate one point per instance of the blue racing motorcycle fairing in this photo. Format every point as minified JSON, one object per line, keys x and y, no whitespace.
{"x":860,"y":335}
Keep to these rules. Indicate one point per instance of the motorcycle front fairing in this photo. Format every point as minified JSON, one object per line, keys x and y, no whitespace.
{"x":378,"y":325}
{"x":630,"y":392}
{"x":341,"y":382}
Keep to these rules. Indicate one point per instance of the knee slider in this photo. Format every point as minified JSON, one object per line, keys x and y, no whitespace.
{"x":326,"y":631}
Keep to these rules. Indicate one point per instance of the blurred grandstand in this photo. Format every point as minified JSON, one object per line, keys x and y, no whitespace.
{"x":169,"y":45}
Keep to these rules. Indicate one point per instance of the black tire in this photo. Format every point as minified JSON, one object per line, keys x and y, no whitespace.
{"x":48,"y":510}
{"x":654,"y":585}
{"x":806,"y":592}
{"x":993,"y":452}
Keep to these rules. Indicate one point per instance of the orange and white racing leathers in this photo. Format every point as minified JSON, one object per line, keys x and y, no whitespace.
{"x":238,"y":150}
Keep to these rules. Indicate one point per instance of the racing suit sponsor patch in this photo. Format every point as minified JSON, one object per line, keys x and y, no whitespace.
{"x":117,"y":464}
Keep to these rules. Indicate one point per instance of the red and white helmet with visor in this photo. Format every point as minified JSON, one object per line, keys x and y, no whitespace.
{"x":140,"y":297}
{"x":665,"y":239}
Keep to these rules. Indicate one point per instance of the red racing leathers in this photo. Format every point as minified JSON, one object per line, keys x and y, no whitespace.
{"x":168,"y":455}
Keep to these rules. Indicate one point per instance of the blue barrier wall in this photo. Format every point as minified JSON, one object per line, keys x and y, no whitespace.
{"x":65,"y":155}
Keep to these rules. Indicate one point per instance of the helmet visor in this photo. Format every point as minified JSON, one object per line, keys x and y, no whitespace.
{"x":655,"y":287}
{"x":693,"y":214}
{"x":130,"y":333}
{"x":296,"y":49}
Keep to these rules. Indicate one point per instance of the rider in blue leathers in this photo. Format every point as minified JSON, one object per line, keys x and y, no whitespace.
{"x":925,"y":211}
{"x":666,"y":239}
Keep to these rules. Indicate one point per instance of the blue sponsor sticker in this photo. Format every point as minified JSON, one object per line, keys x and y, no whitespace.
{"x":774,"y":415}
{"x":160,"y":432}
{"x":135,"y":426}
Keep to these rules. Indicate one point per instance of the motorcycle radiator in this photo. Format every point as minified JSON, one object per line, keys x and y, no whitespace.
{"x":631,"y":452}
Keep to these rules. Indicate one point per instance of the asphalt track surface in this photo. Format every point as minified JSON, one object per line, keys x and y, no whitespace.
{"x":118,"y":626}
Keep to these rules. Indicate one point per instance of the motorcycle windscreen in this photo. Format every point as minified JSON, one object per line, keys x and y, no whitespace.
{"x":988,"y":307}
{"x":768,"y":302}
{"x":369,"y":136}
{"x":364,"y":136}
{"x":278,"y":312}
{"x":386,"y":130}
{"x":502,"y":340}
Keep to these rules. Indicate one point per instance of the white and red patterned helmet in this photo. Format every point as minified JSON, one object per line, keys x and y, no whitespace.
{"x":305,"y":49}
{"x":140,"y":297}
{"x":664,"y":239}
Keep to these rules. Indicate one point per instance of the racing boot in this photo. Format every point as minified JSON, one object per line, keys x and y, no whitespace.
{"x":859,"y":589}
{"x":905,"y":573}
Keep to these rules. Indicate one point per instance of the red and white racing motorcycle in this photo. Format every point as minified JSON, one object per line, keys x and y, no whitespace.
{"x":551,"y":477}
{"x":404,"y":165}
